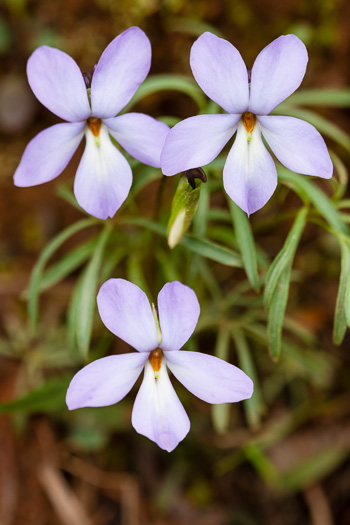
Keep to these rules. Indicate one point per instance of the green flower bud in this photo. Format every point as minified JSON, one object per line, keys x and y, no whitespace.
{"x":184,"y":204}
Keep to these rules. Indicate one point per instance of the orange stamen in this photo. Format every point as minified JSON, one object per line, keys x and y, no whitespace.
{"x":156,"y":359}
{"x":249,"y":120}
{"x":94,"y":125}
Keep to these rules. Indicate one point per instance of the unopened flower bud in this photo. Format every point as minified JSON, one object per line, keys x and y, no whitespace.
{"x":184,"y":205}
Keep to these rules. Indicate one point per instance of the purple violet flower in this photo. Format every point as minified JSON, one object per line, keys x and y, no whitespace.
{"x":157,"y":413}
{"x":104,"y":177}
{"x":250,"y":175}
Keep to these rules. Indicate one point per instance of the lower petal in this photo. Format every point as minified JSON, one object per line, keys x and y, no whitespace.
{"x":140,"y":135}
{"x":103,"y":178}
{"x":105,"y":381}
{"x":250,"y":176}
{"x":196,"y":141}
{"x":158,"y":413}
{"x":47,"y":154}
{"x":209,"y":378}
{"x":297,"y":145}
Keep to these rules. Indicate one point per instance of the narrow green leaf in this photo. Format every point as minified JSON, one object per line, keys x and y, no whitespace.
{"x":87,"y":297}
{"x":203,"y":247}
{"x":221,"y":413}
{"x":285,"y":256}
{"x":343,"y":177}
{"x":306,"y":188}
{"x":72,"y":314}
{"x":67,"y":195}
{"x":47,"y":398}
{"x":67,"y":265}
{"x":254,"y":406}
{"x":343,"y":302}
{"x":275,"y":314}
{"x":168,"y":82}
{"x":262,"y":463}
{"x":246,"y":243}
{"x":49,"y":250}
{"x":314,"y":468}
{"x":337,"y":98}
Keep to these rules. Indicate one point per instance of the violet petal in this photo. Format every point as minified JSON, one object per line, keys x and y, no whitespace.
{"x":158,"y":413}
{"x":297,"y":145}
{"x":220,"y":71}
{"x":210,"y":378}
{"x":58,"y":83}
{"x":126,"y":312}
{"x":179,"y":310}
{"x":106,"y":381}
{"x":103,"y":178}
{"x":140,"y":135}
{"x":250,"y":176}
{"x":47,"y":154}
{"x":277,"y":72}
{"x":196,"y":141}
{"x":123,"y":66}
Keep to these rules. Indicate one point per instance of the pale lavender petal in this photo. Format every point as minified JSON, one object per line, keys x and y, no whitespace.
{"x":297,"y":145}
{"x":103,"y":178}
{"x":277,"y":72}
{"x":140,"y":135}
{"x":126,"y":311}
{"x":220,"y":71}
{"x":158,"y":413}
{"x":47,"y":154}
{"x":250,"y":176}
{"x":209,"y":378}
{"x":178,"y":309}
{"x":123,"y":66}
{"x":196,"y":141}
{"x":105,"y":381}
{"x":58,"y":83}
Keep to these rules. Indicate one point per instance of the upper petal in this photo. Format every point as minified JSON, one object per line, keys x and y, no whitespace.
{"x":210,"y":378}
{"x":158,"y":413}
{"x":196,"y":141}
{"x":58,"y":83}
{"x":277,"y":72}
{"x":179,"y":310}
{"x":126,"y":311}
{"x":104,"y":177}
{"x":297,"y":145}
{"x":47,"y":154}
{"x":123,"y":66}
{"x":140,"y":135}
{"x":105,"y":381}
{"x":220,"y":71}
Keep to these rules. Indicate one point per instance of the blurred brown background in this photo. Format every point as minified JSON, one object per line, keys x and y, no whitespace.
{"x":49,"y":476}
